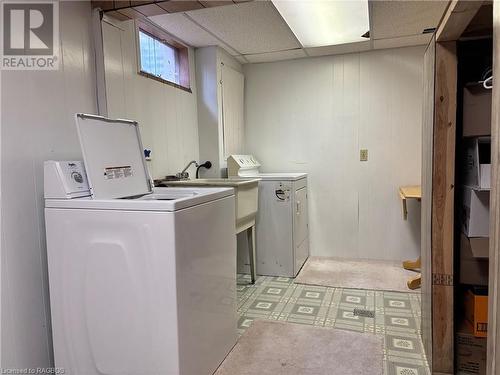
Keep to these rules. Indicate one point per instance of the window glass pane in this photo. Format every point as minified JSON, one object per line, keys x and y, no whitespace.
{"x":158,"y":58}
{"x":165,"y":62}
{"x":146,"y":44}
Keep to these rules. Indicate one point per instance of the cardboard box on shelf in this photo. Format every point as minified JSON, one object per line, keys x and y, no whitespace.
{"x":476,"y":310}
{"x":470,"y":351}
{"x":477,"y":163}
{"x":474,"y":260}
{"x":476,"y":111}
{"x":475,"y":212}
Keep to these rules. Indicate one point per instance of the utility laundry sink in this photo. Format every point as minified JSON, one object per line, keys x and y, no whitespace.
{"x":246,"y":193}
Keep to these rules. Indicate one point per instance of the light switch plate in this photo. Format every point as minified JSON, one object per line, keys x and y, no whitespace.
{"x":363,"y":154}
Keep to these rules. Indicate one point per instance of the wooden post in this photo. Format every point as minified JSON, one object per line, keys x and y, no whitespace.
{"x":443,"y":195}
{"x":438,"y":175}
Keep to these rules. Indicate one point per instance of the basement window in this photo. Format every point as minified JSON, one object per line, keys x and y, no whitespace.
{"x":162,"y":58}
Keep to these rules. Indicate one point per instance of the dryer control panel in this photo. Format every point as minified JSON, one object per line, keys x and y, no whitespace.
{"x":282,"y":191}
{"x":65,"y":180}
{"x":242,"y":166}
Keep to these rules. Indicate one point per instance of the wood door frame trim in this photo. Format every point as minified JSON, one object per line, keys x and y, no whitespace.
{"x":493,"y":351}
{"x":456,"y":19}
{"x":426,"y":222}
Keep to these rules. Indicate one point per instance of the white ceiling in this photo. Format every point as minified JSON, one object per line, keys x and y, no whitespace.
{"x":254,"y":27}
{"x":392,"y":19}
{"x":255,"y":31}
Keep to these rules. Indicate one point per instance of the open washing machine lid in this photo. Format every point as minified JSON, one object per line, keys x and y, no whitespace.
{"x":114,"y":157}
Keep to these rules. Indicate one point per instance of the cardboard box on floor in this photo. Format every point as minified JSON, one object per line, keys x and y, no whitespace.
{"x":476,"y":310}
{"x":476,"y":111}
{"x":474,"y":260}
{"x":471,"y":351}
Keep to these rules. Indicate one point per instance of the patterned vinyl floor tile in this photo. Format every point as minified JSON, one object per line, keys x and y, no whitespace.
{"x":395,"y":316}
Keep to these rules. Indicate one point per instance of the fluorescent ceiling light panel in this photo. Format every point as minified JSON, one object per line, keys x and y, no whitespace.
{"x":318,"y":23}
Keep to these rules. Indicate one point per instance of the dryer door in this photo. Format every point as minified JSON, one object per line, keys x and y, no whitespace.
{"x":301,"y":228}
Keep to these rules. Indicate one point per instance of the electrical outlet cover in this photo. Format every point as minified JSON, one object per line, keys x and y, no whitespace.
{"x":363,"y":154}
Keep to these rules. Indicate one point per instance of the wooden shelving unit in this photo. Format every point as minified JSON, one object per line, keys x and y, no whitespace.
{"x":471,"y":277}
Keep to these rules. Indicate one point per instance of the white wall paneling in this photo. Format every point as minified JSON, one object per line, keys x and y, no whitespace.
{"x":232,"y":110}
{"x":37,"y":125}
{"x":102,"y":108}
{"x":314,"y":115}
{"x":213,"y":96}
{"x":207,"y":82}
{"x":167,"y":115}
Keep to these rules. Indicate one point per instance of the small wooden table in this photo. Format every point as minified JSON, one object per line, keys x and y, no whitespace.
{"x":411,"y":192}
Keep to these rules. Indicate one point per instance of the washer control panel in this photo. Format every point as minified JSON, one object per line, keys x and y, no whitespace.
{"x":65,"y":180}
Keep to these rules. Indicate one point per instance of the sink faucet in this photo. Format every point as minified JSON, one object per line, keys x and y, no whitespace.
{"x":185,"y":175}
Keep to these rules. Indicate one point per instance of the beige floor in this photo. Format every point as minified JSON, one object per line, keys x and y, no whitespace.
{"x":355,"y":274}
{"x":281,"y":348}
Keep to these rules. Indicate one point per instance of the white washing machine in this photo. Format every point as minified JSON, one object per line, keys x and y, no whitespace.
{"x":282,"y":230}
{"x":142,"y":280}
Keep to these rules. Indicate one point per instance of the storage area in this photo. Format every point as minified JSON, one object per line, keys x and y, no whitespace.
{"x":472,"y":217}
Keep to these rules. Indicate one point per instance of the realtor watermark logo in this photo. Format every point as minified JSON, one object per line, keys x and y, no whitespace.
{"x":30,"y":35}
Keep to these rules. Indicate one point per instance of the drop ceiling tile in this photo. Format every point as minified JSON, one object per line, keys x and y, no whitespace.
{"x":150,"y":9}
{"x":391,"y":19}
{"x":276,"y":56}
{"x":178,"y":25}
{"x":250,"y":28}
{"x":121,"y":3}
{"x":117,"y":15}
{"x":131,"y":13}
{"x":174,"y":6}
{"x":103,"y":4}
{"x":405,"y":41}
{"x":215,"y":3}
{"x":339,"y":49}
